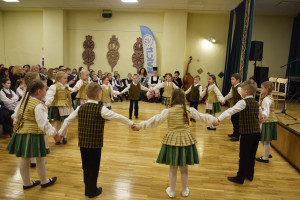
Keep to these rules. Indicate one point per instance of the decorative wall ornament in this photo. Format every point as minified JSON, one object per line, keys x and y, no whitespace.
{"x":88,"y":55}
{"x":113,"y":53}
{"x":138,"y":55}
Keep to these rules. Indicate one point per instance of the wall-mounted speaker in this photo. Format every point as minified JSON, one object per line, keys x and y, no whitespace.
{"x":106,"y":13}
{"x":256,"y":51}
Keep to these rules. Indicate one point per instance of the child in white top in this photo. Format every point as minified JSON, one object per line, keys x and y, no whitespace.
{"x":20,"y":88}
{"x":8,"y":97}
{"x":80,"y":86}
{"x":107,"y":93}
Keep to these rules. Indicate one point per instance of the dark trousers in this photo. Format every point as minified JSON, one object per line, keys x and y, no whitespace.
{"x":194,"y":105}
{"x":248,"y":148}
{"x":90,"y":164}
{"x":136,"y":107}
{"x":236,"y":127}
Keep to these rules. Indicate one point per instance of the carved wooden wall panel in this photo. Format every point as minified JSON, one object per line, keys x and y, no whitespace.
{"x":138,"y":55}
{"x":113,"y":53}
{"x":88,"y":55}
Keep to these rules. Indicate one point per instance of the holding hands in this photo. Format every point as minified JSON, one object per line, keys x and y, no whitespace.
{"x":216,"y":122}
{"x":58,"y":137}
{"x":134,"y":127}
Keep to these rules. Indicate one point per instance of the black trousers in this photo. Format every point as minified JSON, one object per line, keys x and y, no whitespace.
{"x":136,"y":107}
{"x":248,"y":148}
{"x":6,"y":121}
{"x":194,"y":105}
{"x":90,"y":164}
{"x":235,"y":123}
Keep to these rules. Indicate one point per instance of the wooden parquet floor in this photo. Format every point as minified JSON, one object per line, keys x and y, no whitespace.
{"x":128,"y":169}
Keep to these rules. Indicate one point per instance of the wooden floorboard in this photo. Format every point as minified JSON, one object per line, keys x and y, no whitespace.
{"x":128,"y":169}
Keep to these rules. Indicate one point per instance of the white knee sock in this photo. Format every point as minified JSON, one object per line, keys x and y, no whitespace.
{"x":173,"y":177}
{"x":184,"y":180}
{"x":41,"y":169}
{"x":32,"y":160}
{"x":24,"y":171}
{"x":267,"y":147}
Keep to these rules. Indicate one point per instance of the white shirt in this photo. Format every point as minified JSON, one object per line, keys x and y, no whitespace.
{"x":128,"y":87}
{"x":52,"y":91}
{"x":79,"y":84}
{"x":238,"y":107}
{"x":19,"y":92}
{"x":189,"y":90}
{"x":216,"y":90}
{"x":161,"y":85}
{"x":12,"y":103}
{"x":121,"y":83}
{"x":154,"y":79}
{"x":41,"y":117}
{"x":105,"y":113}
{"x":160,"y":118}
{"x":126,"y":82}
{"x":265,"y":106}
{"x":229,"y":95}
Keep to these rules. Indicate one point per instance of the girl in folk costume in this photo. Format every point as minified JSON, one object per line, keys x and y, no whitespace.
{"x":8,"y":97}
{"x":153,"y":81}
{"x":269,"y":126}
{"x":214,"y":97}
{"x":59,"y":99}
{"x":80,"y":86}
{"x":168,"y":86}
{"x":28,"y":138}
{"x":107,"y":93}
{"x":179,"y":146}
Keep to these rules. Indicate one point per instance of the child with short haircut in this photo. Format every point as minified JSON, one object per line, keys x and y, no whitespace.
{"x":8,"y":97}
{"x":269,"y":126}
{"x":28,"y":140}
{"x":214,"y":97}
{"x":119,"y":86}
{"x":134,"y":92}
{"x":59,"y":99}
{"x":168,"y":86}
{"x":248,"y":109}
{"x":20,"y":88}
{"x":80,"y":86}
{"x":196,"y":90}
{"x":91,"y":120}
{"x":179,"y":146}
{"x":233,"y":97}
{"x":107,"y":93}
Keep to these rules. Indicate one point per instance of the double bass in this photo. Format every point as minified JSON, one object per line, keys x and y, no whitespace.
{"x":188,"y":80}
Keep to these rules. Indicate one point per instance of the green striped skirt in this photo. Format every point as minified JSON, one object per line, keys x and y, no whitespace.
{"x":269,"y":131}
{"x":166,"y":101}
{"x":178,"y":156}
{"x":215,"y":109}
{"x":27,"y":145}
{"x":53,"y":113}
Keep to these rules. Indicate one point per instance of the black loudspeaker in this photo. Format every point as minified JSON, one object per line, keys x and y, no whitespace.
{"x":261,"y":74}
{"x":107,"y":14}
{"x":256,"y":51}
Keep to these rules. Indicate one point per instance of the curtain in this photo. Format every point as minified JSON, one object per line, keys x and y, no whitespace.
{"x":294,"y":68}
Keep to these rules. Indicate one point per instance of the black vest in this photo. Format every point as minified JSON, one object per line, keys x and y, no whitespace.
{"x":154,"y":82}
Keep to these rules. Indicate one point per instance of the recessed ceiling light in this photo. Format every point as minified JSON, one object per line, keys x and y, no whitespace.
{"x":129,"y":1}
{"x":11,"y":1}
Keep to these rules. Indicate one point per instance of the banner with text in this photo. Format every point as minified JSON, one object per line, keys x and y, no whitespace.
{"x":149,"y":47}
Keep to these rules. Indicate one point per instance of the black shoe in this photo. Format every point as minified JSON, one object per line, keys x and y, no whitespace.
{"x":249,"y":178}
{"x":98,"y":192}
{"x":130,"y":117}
{"x":51,"y":182}
{"x":230,"y":135}
{"x":235,"y":180}
{"x":136,"y":117}
{"x":210,"y":128}
{"x":234,"y":139}
{"x":270,"y":156}
{"x":261,"y":160}
{"x":57,"y":143}
{"x":34,"y":183}
{"x":65,"y":141}
{"x":32,"y":164}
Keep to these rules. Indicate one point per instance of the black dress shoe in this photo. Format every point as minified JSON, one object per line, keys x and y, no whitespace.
{"x":51,"y":182}
{"x":136,"y":117}
{"x":261,"y":160}
{"x":270,"y":156}
{"x":98,"y":192}
{"x":34,"y":183}
{"x":57,"y":143}
{"x":249,"y":178}
{"x":210,"y":128}
{"x":32,"y":164}
{"x":130,"y":117}
{"x":65,"y":141}
{"x":234,"y":139}
{"x":230,"y":135}
{"x":235,"y":180}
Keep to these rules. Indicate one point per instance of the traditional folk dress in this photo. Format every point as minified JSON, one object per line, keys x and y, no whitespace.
{"x":153,"y":81}
{"x":214,"y":97}
{"x":168,"y":89}
{"x":81,"y":97}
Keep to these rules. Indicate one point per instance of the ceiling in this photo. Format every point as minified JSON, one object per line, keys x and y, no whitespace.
{"x":281,"y":7}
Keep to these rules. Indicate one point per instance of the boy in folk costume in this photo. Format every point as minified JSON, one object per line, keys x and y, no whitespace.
{"x":234,"y":96}
{"x":134,"y":92}
{"x":152,"y":82}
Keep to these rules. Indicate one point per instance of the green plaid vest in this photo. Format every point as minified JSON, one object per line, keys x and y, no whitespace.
{"x":134,"y":91}
{"x":249,"y":117}
{"x":235,"y":94}
{"x":195,"y":93}
{"x":90,"y":126}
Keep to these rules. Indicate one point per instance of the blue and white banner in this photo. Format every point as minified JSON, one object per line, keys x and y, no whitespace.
{"x":149,"y":47}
